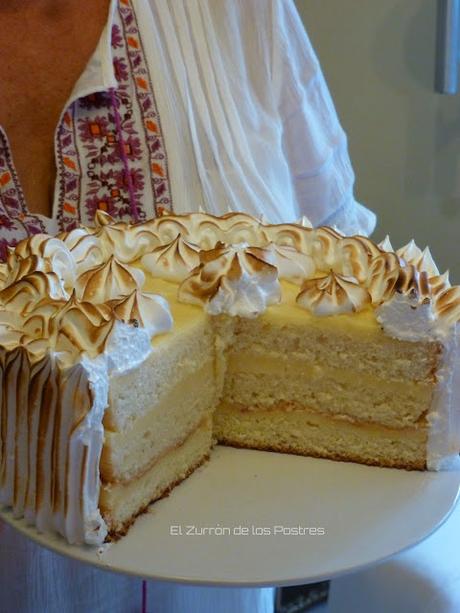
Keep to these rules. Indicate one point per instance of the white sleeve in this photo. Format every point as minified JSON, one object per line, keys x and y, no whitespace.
{"x":314,"y":142}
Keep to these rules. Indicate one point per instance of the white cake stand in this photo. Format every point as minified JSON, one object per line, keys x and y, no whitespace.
{"x":252,"y":518}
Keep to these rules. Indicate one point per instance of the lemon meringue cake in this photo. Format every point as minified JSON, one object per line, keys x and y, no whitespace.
{"x":127,"y":351}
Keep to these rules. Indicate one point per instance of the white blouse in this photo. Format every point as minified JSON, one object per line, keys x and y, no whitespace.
{"x":248,"y":120}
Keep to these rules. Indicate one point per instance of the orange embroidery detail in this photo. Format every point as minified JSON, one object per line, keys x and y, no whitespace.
{"x":115,"y":193}
{"x":141,"y":82}
{"x":95,"y":129}
{"x":67,"y":119}
{"x":157,"y":169}
{"x":151,"y":125}
{"x":5,"y":178}
{"x":69,"y":208}
{"x":102,"y":206}
{"x":69,"y":163}
{"x":132,"y":42}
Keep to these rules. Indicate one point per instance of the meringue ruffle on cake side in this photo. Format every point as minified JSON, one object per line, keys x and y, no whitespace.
{"x":118,"y":342}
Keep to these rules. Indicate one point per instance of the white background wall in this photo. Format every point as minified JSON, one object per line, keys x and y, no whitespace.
{"x":378,"y":57}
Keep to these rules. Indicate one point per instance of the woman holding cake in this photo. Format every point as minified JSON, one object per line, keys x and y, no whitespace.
{"x":139,"y":107}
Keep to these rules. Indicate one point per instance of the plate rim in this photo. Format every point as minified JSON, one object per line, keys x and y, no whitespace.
{"x":57,"y":544}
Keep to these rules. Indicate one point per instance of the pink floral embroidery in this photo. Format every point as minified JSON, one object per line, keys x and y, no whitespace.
{"x":148,"y":107}
{"x":115,"y":140}
{"x":15,"y":221}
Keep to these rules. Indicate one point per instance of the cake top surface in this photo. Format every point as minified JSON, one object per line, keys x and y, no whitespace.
{"x":67,"y":293}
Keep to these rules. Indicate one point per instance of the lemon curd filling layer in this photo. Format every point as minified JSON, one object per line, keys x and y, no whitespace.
{"x":285,"y":366}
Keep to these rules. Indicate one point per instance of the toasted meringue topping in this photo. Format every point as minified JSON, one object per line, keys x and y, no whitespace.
{"x":422,"y":260}
{"x":4,"y":272}
{"x":87,"y":249}
{"x":426,"y":263}
{"x":439,"y":283}
{"x":148,"y":311}
{"x":324,"y":247}
{"x":305,"y":222}
{"x":291,"y":264}
{"x":236,"y":280}
{"x":414,"y":283}
{"x":386,"y":245}
{"x":168,"y":227}
{"x":28,"y":291}
{"x":11,"y":330}
{"x":95,"y":313}
{"x":238,"y":230}
{"x":352,"y":257}
{"x":447,"y":305}
{"x":39,"y":322}
{"x":108,"y":282}
{"x":290,"y":235}
{"x":382,"y":276}
{"x":173,"y":261}
{"x":101,"y":218}
{"x":127,"y":242}
{"x":42,"y":253}
{"x":78,"y":332}
{"x":332,"y":295}
{"x":410,"y":253}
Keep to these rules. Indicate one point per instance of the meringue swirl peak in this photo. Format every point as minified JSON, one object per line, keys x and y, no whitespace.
{"x":173,"y":261}
{"x":235,"y":280}
{"x":333,"y":294}
{"x":108,"y":281}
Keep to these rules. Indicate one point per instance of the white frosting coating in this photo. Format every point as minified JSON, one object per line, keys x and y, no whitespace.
{"x":443,"y":416}
{"x":403,"y":316}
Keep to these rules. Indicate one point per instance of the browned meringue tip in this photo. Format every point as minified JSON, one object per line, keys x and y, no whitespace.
{"x":95,"y":283}
{"x":413,"y":283}
{"x":221,"y":265}
{"x":101,"y":218}
{"x":332,"y":294}
{"x":447,"y":305}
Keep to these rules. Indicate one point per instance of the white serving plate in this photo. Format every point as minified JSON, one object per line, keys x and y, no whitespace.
{"x":367,"y":513}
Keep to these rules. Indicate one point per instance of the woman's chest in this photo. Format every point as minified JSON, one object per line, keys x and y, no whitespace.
{"x":43,"y":53}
